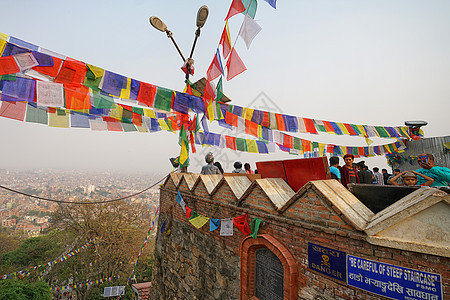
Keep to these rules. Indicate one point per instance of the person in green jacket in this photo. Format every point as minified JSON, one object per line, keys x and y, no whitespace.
{"x":441,"y":175}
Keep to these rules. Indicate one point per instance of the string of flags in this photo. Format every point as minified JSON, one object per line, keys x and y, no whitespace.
{"x":40,"y":86}
{"x":226,"y":225}
{"x":24,"y":273}
{"x":78,"y":285}
{"x":154,"y":219}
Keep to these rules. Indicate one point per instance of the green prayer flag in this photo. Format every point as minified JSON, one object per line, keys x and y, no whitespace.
{"x":163,"y":99}
{"x":128,"y":127}
{"x":36,"y":115}
{"x":250,"y":7}
{"x":382,"y":132}
{"x":254,"y":227}
{"x":355,"y":151}
{"x":102,"y":101}
{"x":8,"y":77}
{"x":315,"y":145}
{"x":138,"y":110}
{"x":60,"y":112}
{"x":297,"y":143}
{"x":241,"y":145}
{"x":194,"y":215}
{"x":219,"y":89}
{"x":356,"y":129}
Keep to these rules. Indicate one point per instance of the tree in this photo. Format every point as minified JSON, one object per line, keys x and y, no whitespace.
{"x":13,"y":289}
{"x":7,"y":242}
{"x":122,"y":227}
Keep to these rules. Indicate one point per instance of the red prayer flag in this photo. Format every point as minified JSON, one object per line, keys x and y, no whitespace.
{"x":8,"y":65}
{"x":266,"y":119}
{"x":350,"y":129}
{"x":209,"y":92}
{"x":288,"y":141}
{"x":235,"y":66}
{"x":306,"y":145}
{"x":77,"y":96}
{"x":137,"y":119}
{"x":72,"y":71}
{"x":225,"y":41}
{"x":112,"y":124}
{"x":328,"y":127}
{"x":309,"y":125}
{"x":146,"y":94}
{"x":242,"y":224}
{"x":361,"y":151}
{"x":230,"y":142}
{"x":215,"y":69}
{"x":13,"y":110}
{"x":52,"y":70}
{"x":330,"y":149}
{"x":235,"y":8}
{"x":188,"y":212}
{"x":251,"y":128}
{"x":231,"y":119}
{"x":280,"y":122}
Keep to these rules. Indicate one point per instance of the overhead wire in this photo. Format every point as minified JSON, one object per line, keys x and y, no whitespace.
{"x":83,"y":202}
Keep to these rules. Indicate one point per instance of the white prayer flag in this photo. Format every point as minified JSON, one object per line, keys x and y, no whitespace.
{"x":271,"y":147}
{"x":249,"y":30}
{"x":183,"y":205}
{"x":241,"y":125}
{"x":226,"y":227}
{"x":98,"y":125}
{"x":50,"y":94}
{"x":25,"y":61}
{"x":301,"y":125}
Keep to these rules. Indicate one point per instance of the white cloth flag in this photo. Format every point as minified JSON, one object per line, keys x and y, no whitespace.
{"x":98,"y":125}
{"x":25,"y":61}
{"x":249,"y":30}
{"x":226,"y":227}
{"x":50,"y":94}
{"x":183,"y":205}
{"x":241,"y":125}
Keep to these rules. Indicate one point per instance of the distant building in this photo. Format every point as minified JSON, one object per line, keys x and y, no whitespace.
{"x":9,"y":223}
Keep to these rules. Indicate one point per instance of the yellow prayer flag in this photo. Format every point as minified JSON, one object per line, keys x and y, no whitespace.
{"x":199,"y":221}
{"x":343,"y":128}
{"x":322,"y":149}
{"x":163,"y":124}
{"x":83,"y":111}
{"x":55,"y":120}
{"x":117,"y":112}
{"x":149,"y":113}
{"x":98,"y":72}
{"x":125,"y":93}
{"x":252,"y":147}
{"x":3,"y":36}
{"x":343,"y":150}
{"x":248,"y":113}
{"x":368,"y":141}
{"x":142,"y":129}
{"x":2,"y":46}
{"x":211,"y":111}
{"x":259,"y":131}
{"x":184,"y":153}
{"x":363,"y":131}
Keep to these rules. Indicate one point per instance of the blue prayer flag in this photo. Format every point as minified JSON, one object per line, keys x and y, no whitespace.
{"x":79,"y":120}
{"x":262,"y":147}
{"x":11,"y":49}
{"x":23,"y":44}
{"x":204,"y":124}
{"x":113,"y":83}
{"x":43,"y":59}
{"x":214,"y":224}
{"x":181,"y":103}
{"x":272,"y":3}
{"x":291,"y":123}
{"x":134,"y":90}
{"x":22,"y":89}
{"x":179,"y":198}
{"x":196,"y":104}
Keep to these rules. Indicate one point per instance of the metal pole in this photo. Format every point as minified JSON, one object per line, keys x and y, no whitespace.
{"x":170,"y":35}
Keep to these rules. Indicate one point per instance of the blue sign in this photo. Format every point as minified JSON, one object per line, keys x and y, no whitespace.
{"x":392,"y":281}
{"x":327,"y":261}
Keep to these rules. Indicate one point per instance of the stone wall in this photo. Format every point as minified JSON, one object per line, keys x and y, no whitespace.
{"x":192,"y":263}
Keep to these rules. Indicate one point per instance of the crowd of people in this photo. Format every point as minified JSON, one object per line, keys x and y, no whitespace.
{"x":428,"y":175}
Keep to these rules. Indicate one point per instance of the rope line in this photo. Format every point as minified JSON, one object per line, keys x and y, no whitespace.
{"x":72,"y":202}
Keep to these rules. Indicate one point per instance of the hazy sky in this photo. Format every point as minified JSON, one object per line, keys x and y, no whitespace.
{"x":367,"y":62}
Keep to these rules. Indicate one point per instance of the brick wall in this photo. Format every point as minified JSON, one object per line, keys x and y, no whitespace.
{"x":195,"y":263}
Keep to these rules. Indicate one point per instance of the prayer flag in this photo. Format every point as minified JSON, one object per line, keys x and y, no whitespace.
{"x":23,"y":44}
{"x":113,"y":83}
{"x":272,"y":3}
{"x":199,"y":221}
{"x":252,"y":147}
{"x":102,"y":101}
{"x":25,"y":61}
{"x":128,"y":127}
{"x":309,"y":126}
{"x":249,"y":29}
{"x":98,"y":125}
{"x":72,"y":71}
{"x":251,"y":128}
{"x":179,"y":198}
{"x":226,"y":227}
{"x":262,"y":147}
{"x":216,"y":68}
{"x":77,"y":96}
{"x":288,"y":141}
{"x":235,"y":66}
{"x":225,"y":41}
{"x":8,"y":65}
{"x":241,"y":145}
{"x":163,"y":99}
{"x":188,"y":212}
{"x":214,"y":224}
{"x":235,"y":8}
{"x":219,"y":89}
{"x":280,"y":122}
{"x":79,"y":120}
{"x":36,"y":114}
{"x":181,"y":103}
{"x":254,"y":227}
{"x":250,"y":7}
{"x":242,"y":224}
{"x":21,"y":89}
{"x":184,"y":153}
{"x":11,"y":49}
{"x":13,"y":110}
{"x":146,"y":94}
{"x":230,"y":142}
{"x":59,"y":119}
